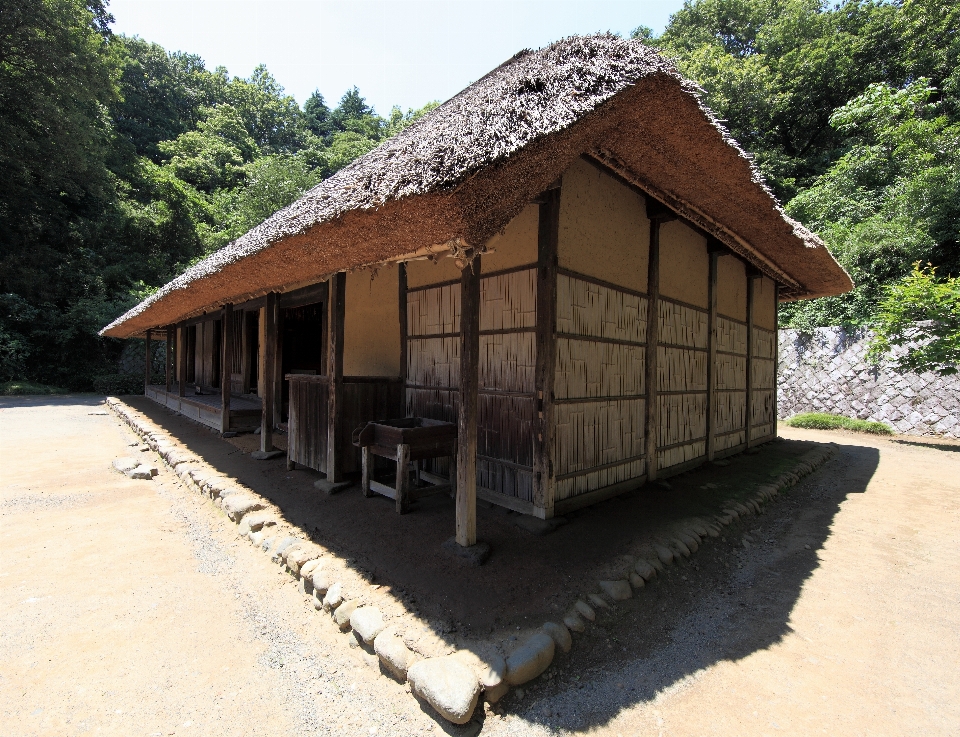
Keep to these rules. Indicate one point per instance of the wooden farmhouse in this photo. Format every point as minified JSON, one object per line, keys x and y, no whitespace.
{"x":571,"y":261}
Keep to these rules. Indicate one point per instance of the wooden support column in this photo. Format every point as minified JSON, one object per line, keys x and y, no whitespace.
{"x":181,"y":360}
{"x":652,"y":419}
{"x":402,"y":294}
{"x":336,"y":316}
{"x":467,"y":420}
{"x":168,"y":357}
{"x":544,"y":481}
{"x":268,"y":367}
{"x":147,"y":362}
{"x":714,"y":249}
{"x":751,"y":294}
{"x":226,"y":366}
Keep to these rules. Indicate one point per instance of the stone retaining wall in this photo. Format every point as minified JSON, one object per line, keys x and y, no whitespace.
{"x":827,"y":371}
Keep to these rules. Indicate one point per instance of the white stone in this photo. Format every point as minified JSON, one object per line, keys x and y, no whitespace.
{"x":644,"y":569}
{"x":333,"y":597}
{"x":237,"y":505}
{"x":343,"y":613}
{"x":585,"y":610}
{"x":394,"y":655}
{"x":530,"y":659}
{"x":125,"y":464}
{"x":573,"y":622}
{"x":617,"y":590}
{"x":448,"y":685}
{"x":367,"y":621}
{"x":560,"y":634}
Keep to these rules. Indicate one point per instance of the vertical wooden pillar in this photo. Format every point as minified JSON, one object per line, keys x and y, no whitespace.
{"x":652,"y":423}
{"x":544,"y":484}
{"x":467,"y":419}
{"x":336,"y":316}
{"x":268,"y":367}
{"x":751,"y":295}
{"x":168,"y":358}
{"x":402,"y":295}
{"x":181,"y":360}
{"x":147,"y":362}
{"x":714,"y":253}
{"x":226,"y":366}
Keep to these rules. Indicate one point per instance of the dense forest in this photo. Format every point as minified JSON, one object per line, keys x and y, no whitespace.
{"x":125,"y":162}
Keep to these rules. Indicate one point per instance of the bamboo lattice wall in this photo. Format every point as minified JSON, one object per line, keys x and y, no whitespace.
{"x":763,"y":382}
{"x":730,"y":374}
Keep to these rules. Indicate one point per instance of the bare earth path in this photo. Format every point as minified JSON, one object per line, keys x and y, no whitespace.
{"x":129,"y":608}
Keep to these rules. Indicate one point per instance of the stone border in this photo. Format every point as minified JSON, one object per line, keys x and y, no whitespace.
{"x":452,"y":683}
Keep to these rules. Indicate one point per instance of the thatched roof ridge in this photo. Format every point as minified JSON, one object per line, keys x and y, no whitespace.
{"x":533,"y":96}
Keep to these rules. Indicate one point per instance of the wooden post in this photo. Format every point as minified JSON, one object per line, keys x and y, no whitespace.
{"x":467,"y":420}
{"x":181,"y":360}
{"x":268,"y":366}
{"x":714,"y":253}
{"x":168,"y":357}
{"x":652,"y":424}
{"x":402,"y":293}
{"x":751,"y":289}
{"x":366,"y":470}
{"x":336,"y":315}
{"x":544,"y":484}
{"x":226,"y":366}
{"x":403,"y":477}
{"x":148,"y":363}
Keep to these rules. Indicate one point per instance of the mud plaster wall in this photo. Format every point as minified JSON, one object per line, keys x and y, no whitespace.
{"x":371,"y":335}
{"x":425,"y":271}
{"x":732,"y":288}
{"x":764,"y":304}
{"x":604,"y":231}
{"x":516,"y":246}
{"x":684,"y":264}
{"x":826,"y":372}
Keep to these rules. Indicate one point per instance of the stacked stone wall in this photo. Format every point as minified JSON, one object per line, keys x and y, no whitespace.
{"x":827,"y":371}
{"x":131,"y":358}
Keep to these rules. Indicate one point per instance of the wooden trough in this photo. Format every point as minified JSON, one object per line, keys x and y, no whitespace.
{"x":407,"y":440}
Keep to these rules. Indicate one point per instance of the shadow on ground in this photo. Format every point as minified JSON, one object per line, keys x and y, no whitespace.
{"x":529,"y":579}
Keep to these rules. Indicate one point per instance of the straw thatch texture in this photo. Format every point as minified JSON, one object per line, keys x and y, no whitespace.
{"x":463,"y":171}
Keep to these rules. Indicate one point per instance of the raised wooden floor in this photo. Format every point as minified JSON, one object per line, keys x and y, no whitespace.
{"x":207,"y":408}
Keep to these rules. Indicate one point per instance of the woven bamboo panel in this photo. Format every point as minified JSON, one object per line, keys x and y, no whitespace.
{"x":584,"y":308}
{"x":731,"y":336}
{"x":599,"y":479}
{"x":764,"y":343}
{"x":729,"y":441}
{"x":434,"y":362}
{"x":761,"y":431}
{"x":680,"y":370}
{"x":436,"y":404}
{"x":508,"y":361}
{"x":681,"y":454}
{"x":590,"y":369}
{"x":682,"y":325}
{"x":730,"y":372}
{"x":504,"y":479}
{"x":509,"y":301}
{"x":730,"y":411}
{"x":764,"y":373}
{"x":505,"y":428}
{"x":763,"y":407}
{"x":596,"y":433}
{"x":434,"y":311}
{"x":682,"y":417}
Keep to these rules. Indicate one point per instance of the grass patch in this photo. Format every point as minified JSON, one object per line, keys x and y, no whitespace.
{"x":22,"y":388}
{"x":828,"y":421}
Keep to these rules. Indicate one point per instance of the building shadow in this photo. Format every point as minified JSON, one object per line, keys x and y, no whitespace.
{"x":948,"y":447}
{"x":723,"y":603}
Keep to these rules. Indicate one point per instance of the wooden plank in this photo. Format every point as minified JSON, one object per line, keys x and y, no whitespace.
{"x":181,"y":360}
{"x":548,"y":230}
{"x":226,"y":366}
{"x":383,"y":489}
{"x":403,"y":478}
{"x":748,"y":419}
{"x":712,"y":351}
{"x":147,"y":362}
{"x":652,"y":405}
{"x":336,"y":317}
{"x":167,"y":354}
{"x":402,"y":296}
{"x":268,"y":365}
{"x":466,"y":514}
{"x":509,"y":502}
{"x":366,"y":472}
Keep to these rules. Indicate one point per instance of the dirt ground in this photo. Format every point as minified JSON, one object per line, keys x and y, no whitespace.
{"x":131,"y":608}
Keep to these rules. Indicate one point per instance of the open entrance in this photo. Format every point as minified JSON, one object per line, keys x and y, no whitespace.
{"x":303,"y":341}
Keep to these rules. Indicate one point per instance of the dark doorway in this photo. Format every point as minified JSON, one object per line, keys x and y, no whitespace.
{"x":303,"y":343}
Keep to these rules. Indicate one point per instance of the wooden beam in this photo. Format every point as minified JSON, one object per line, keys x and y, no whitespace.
{"x":402,"y":295}
{"x":226,"y":366}
{"x":268,"y":366}
{"x":168,"y":357}
{"x":751,"y":296}
{"x":147,"y":362}
{"x":544,"y":482}
{"x":714,"y":256}
{"x":467,"y":420}
{"x":336,"y":316}
{"x":652,"y":419}
{"x":181,"y":359}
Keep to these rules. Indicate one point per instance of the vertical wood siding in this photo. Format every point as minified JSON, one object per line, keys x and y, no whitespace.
{"x":763,"y":380}
{"x":307,"y":424}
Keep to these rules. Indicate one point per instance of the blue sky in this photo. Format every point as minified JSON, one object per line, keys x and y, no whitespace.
{"x":398,"y":52}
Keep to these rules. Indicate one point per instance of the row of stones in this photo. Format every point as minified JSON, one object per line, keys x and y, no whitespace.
{"x":452,"y":684}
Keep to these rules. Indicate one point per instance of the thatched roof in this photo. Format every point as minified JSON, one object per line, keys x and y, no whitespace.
{"x":464,"y":170}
